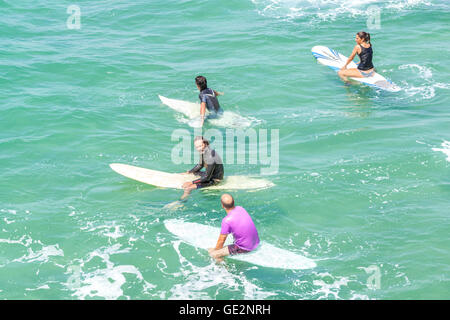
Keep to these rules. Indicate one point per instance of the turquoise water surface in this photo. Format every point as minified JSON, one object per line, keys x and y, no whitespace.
{"x":363,"y":184}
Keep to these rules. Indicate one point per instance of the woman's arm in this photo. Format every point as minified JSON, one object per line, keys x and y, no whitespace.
{"x":352,"y":56}
{"x":202,"y":111}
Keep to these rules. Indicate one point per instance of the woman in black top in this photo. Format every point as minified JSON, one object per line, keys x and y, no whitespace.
{"x":363,"y":49}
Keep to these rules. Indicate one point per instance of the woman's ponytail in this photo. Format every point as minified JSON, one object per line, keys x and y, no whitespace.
{"x":364,"y":36}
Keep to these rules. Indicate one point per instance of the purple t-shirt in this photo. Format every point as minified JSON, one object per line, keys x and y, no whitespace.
{"x":240,"y":224}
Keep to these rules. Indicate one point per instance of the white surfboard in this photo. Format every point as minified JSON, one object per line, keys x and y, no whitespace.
{"x":191,"y":110}
{"x":266,"y":255}
{"x":176,"y":180}
{"x":335,"y":60}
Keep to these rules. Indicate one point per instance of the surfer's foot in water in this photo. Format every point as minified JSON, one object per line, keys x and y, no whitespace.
{"x":344,"y":78}
{"x":219,"y":254}
{"x":188,"y":187}
{"x":186,"y":194}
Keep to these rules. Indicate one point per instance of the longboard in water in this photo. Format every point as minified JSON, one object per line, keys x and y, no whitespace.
{"x":189,"y":109}
{"x":266,"y":255}
{"x":176,"y":180}
{"x":335,"y":60}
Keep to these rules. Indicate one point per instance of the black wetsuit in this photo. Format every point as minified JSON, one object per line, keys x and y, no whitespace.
{"x":209,"y":97}
{"x":366,"y":58}
{"x":210,"y":160}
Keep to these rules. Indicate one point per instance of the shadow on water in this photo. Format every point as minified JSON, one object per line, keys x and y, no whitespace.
{"x":360,"y":100}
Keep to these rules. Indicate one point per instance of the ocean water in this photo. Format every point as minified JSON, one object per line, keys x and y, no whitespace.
{"x":363,"y":184}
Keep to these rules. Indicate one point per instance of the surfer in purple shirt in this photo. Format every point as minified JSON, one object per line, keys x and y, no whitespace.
{"x":239,"y":223}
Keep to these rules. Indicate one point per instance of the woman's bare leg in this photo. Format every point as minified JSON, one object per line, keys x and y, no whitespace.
{"x":353,"y":72}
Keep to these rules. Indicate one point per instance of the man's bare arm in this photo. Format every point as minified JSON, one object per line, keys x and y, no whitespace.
{"x":221,"y":241}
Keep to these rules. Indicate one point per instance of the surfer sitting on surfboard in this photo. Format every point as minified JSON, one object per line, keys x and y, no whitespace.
{"x":208,"y":99}
{"x":239,"y":223}
{"x":210,"y":160}
{"x":364,"y":50}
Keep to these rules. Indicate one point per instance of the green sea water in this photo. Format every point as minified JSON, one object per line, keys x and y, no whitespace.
{"x":363,"y":185}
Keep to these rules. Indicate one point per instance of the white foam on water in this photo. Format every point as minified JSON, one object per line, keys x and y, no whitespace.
{"x":216,"y":277}
{"x":231,"y":119}
{"x":189,"y":113}
{"x":329,"y":286}
{"x":405,"y":4}
{"x":8,"y":221}
{"x":228,"y":119}
{"x":445,"y":149}
{"x":41,"y":255}
{"x":107,"y":282}
{"x":43,"y":287}
{"x":110,"y":230}
{"x":421,"y":83}
{"x":36,"y":251}
{"x":328,"y":10}
{"x":25,"y":240}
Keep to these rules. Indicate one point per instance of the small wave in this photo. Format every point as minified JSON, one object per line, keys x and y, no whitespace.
{"x":424,"y":85}
{"x":234,"y":120}
{"x":229,"y":119}
{"x":41,"y":255}
{"x":327,"y":10}
{"x":110,"y":230}
{"x":107,"y":282}
{"x":327,"y":286}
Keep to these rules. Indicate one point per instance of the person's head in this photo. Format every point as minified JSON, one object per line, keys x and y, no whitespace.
{"x":362,"y":37}
{"x":200,"y":143}
{"x":227,"y":202}
{"x":201,"y":83}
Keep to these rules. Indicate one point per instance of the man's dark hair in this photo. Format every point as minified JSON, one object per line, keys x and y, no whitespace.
{"x":205,"y":141}
{"x":201,"y":82}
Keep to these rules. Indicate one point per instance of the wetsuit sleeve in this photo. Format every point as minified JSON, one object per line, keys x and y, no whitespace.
{"x":198,"y":167}
{"x":207,"y":177}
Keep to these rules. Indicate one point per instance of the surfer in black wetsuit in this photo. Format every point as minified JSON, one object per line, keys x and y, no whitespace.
{"x":210,"y":160}
{"x":208,"y":99}
{"x":363,"y":49}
